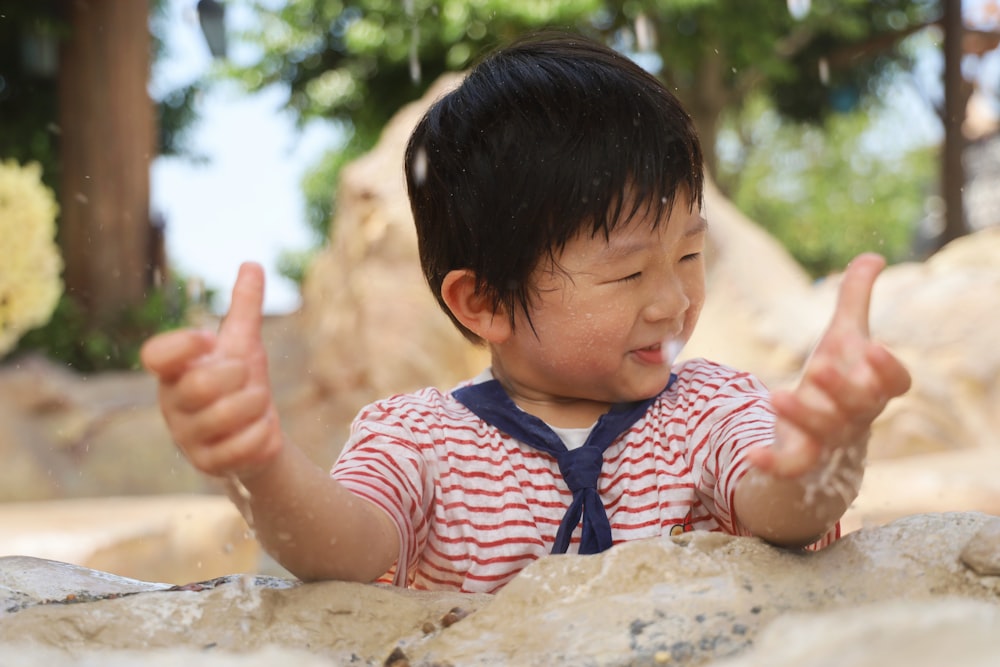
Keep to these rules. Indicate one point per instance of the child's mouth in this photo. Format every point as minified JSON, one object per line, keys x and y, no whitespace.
{"x":651,"y":354}
{"x":663,"y":353}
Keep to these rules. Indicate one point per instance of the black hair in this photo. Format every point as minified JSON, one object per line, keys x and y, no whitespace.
{"x":542,"y":138}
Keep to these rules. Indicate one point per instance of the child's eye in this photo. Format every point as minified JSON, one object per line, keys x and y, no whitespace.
{"x":692,"y":256}
{"x":634,"y":276}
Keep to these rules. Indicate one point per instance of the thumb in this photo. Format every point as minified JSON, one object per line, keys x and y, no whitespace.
{"x":239,"y":333}
{"x":854,"y":298}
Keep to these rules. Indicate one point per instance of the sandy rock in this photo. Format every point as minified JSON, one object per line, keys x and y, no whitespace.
{"x":982,"y":552}
{"x":939,"y":317}
{"x":28,"y":655}
{"x":964,"y":480}
{"x":69,"y":435}
{"x":175,"y":539}
{"x":351,"y":623}
{"x":373,"y":327}
{"x":679,"y":601}
{"x":703,"y":596}
{"x":943,"y":632}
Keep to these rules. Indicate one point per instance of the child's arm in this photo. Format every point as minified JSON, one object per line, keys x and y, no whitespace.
{"x":802,"y":485}
{"x":216,"y":399}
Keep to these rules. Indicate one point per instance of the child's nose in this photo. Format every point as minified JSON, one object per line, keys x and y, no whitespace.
{"x":667,"y":301}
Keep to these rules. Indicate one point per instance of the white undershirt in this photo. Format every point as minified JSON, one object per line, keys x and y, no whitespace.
{"x":573,"y":438}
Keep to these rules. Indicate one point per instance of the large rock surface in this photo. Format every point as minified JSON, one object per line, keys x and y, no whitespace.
{"x":689,"y":600}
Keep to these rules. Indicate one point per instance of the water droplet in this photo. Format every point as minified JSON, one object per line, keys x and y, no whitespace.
{"x":799,"y":8}
{"x":419,"y":166}
{"x":645,"y":33}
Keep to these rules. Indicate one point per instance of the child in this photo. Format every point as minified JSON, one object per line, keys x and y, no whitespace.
{"x":557,"y":195}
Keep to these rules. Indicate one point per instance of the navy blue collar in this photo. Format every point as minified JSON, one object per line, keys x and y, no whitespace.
{"x":580,"y":467}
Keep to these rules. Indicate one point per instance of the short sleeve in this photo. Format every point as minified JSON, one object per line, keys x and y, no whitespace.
{"x":730,"y":415}
{"x":383,"y":463}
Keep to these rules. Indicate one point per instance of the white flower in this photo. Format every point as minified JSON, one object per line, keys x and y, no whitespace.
{"x":30,"y":263}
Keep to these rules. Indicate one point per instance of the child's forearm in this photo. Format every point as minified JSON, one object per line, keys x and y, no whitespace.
{"x":794,"y":512}
{"x":313,"y":525}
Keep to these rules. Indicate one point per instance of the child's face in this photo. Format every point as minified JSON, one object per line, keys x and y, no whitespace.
{"x":605,"y":312}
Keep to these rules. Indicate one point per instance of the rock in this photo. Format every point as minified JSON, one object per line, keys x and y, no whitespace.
{"x":944,"y":632}
{"x":703,"y":596}
{"x":28,"y":581}
{"x":963,"y":480}
{"x":939,"y":317}
{"x":67,"y":435}
{"x":172,"y":538}
{"x":373,"y":327}
{"x":982,"y":553}
{"x":26,"y":655}
{"x":686,"y":600}
{"x":350,"y":623}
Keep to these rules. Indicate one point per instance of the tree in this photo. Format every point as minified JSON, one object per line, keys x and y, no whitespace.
{"x":73,"y":98}
{"x":353,"y":61}
{"x":106,"y":144}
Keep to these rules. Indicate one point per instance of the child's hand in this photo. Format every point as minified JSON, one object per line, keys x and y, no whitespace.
{"x":845,"y":385}
{"x":214,"y":390}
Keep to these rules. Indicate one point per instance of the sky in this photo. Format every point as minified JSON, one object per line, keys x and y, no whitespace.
{"x":245,"y":202}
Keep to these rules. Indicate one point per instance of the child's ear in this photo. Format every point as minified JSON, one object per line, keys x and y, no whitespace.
{"x":472,"y":309}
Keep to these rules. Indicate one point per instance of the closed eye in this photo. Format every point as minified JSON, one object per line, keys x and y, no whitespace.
{"x":691,"y":257}
{"x":634,"y":276}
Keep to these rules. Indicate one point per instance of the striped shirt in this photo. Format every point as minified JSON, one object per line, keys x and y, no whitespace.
{"x":473,"y":507}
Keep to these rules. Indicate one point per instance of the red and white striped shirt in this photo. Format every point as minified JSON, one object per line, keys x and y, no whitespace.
{"x":473,"y":507}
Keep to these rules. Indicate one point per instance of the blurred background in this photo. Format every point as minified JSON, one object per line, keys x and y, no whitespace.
{"x":148,"y":147}
{"x":181,"y":137}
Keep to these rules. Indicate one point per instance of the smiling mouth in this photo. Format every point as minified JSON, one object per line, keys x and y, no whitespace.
{"x":651,"y":354}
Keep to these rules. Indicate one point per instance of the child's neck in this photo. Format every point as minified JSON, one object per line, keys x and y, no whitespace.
{"x":555,"y":411}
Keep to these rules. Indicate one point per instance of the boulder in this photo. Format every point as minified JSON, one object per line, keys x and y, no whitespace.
{"x":373,"y":328}
{"x":175,"y":539}
{"x":687,"y":600}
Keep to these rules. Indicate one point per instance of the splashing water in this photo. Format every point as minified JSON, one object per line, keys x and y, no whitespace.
{"x":419,"y":166}
{"x":645,"y":33}
{"x":672,"y":349}
{"x":834,"y":479}
{"x":799,"y":8}
{"x":414,"y":43}
{"x":242,"y":501}
{"x":824,"y":71}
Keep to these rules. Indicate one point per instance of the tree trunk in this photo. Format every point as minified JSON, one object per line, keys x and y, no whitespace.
{"x":952,"y":171}
{"x":107,"y":139}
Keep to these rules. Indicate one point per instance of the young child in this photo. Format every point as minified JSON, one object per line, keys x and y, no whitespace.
{"x":557,"y":195}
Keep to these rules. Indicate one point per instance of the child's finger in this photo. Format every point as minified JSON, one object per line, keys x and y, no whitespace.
{"x":892,"y":373}
{"x":854,"y":297}
{"x":168,"y":355}
{"x":206,"y":383}
{"x":239,"y":334}
{"x":227,"y":416}
{"x":247,"y":448}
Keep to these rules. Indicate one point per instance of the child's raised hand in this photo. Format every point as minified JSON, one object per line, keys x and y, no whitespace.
{"x":845,"y":385}
{"x":214,"y":389}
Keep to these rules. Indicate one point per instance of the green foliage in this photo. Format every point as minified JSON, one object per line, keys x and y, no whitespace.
{"x":356,"y":62}
{"x":29,"y":126}
{"x":828,"y":192}
{"x":293,"y":264}
{"x":318,"y":188}
{"x":69,"y":339}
